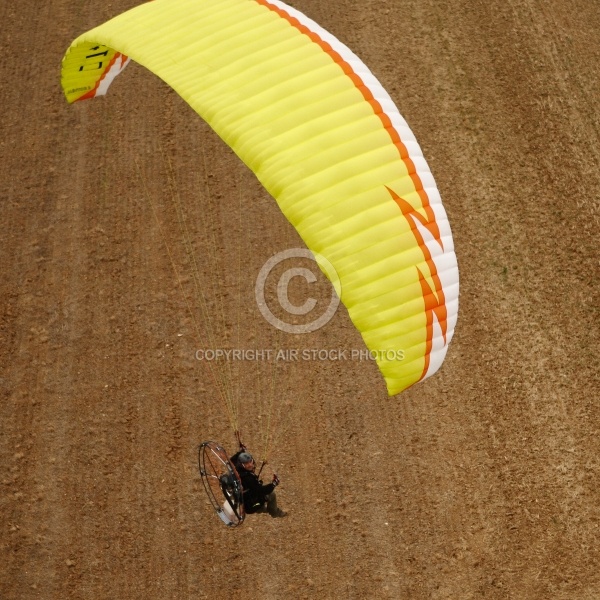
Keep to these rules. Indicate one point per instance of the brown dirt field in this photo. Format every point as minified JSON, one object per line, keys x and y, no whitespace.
{"x":482,"y":482}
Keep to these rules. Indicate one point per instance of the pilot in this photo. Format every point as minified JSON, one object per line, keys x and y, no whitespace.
{"x":258,"y":497}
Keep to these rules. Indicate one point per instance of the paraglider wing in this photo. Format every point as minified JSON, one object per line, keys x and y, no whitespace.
{"x":323,"y":137}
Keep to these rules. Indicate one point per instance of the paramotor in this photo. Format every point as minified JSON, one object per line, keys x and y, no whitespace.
{"x":222,"y":483}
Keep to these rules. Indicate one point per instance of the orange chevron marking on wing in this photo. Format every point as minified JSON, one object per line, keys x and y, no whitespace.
{"x":434,"y":299}
{"x":428,"y":221}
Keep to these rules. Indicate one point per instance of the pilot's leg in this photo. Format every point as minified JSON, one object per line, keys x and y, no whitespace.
{"x":272,"y":507}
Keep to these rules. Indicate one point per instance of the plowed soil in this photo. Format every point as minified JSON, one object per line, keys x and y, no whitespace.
{"x":480,"y":483}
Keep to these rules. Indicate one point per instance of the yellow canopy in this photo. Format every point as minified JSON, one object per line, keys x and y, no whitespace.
{"x":323,"y":137}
